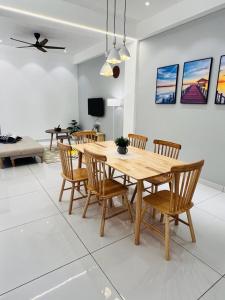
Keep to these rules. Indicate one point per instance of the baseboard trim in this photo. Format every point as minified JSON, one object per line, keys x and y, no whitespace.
{"x":211,"y":184}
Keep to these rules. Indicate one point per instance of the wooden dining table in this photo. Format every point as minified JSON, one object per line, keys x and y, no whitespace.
{"x":137,"y":164}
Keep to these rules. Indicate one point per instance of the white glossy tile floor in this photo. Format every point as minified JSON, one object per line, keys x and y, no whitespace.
{"x":47,"y":254}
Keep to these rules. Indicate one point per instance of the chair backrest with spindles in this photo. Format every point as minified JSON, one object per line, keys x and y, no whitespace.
{"x":85,"y":136}
{"x":166,"y":148}
{"x":137,"y":141}
{"x":96,"y":170}
{"x":66,"y":159}
{"x":184,"y":181}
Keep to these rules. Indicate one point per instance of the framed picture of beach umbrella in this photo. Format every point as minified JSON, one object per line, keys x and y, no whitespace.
{"x":166,"y":84}
{"x":220,"y":90}
{"x":196,"y":79}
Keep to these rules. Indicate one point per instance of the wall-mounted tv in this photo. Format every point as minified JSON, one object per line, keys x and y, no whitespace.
{"x":96,"y":107}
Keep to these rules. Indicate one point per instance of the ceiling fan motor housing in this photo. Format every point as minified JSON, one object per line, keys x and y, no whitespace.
{"x":37,"y":36}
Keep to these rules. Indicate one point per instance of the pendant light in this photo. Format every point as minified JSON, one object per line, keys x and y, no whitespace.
{"x":124,"y":53}
{"x":114,"y":57}
{"x":106,"y":69}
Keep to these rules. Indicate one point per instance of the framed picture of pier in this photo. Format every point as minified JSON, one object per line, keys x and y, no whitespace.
{"x":196,"y":79}
{"x":220,"y":90}
{"x":166,"y":84}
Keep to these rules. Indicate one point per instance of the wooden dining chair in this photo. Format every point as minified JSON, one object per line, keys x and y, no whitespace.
{"x":77,"y":177}
{"x":103,"y":188}
{"x":176,"y":201}
{"x":85,"y":136}
{"x":165,"y":148}
{"x":137,"y":141}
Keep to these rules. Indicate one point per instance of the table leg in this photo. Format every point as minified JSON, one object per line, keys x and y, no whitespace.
{"x":138,"y":211}
{"x":51,"y":141}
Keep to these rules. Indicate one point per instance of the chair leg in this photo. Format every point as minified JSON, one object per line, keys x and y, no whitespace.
{"x":191,"y":226}
{"x":155,"y":189}
{"x":153,"y":213}
{"x":133,"y":196}
{"x":124,"y":180}
{"x":129,"y":208}
{"x":62,"y":190}
{"x":109,"y":172}
{"x":85,"y":187}
{"x":99,"y":202}
{"x":161,"y":218}
{"x":110,"y":202}
{"x":112,"y":173}
{"x":87,"y":204}
{"x":152,"y":189}
{"x":71,"y":198}
{"x":167,"y":238}
{"x":176,"y":220}
{"x":103,"y":217}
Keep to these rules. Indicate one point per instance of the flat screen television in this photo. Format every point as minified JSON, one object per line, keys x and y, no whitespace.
{"x":96,"y":107}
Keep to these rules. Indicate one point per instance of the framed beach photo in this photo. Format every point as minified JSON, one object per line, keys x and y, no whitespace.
{"x":195,"y":83}
{"x":166,"y":84}
{"x":220,"y":89}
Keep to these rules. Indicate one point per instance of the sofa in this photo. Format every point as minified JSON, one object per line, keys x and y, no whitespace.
{"x":27,"y":147}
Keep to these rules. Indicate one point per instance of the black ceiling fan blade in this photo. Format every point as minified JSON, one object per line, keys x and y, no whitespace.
{"x":25,"y":46}
{"x":53,"y":47}
{"x":43,"y":43}
{"x":21,"y":41}
{"x":41,"y":49}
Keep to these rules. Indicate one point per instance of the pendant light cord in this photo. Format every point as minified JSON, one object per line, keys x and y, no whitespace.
{"x":114,"y":42}
{"x":124,"y":19}
{"x":107,"y":27}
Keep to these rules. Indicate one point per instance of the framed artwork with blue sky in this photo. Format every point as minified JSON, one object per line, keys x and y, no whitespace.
{"x":166,"y":84}
{"x":196,"y":79}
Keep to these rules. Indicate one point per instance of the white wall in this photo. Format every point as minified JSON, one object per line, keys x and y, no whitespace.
{"x":37,"y":91}
{"x":199,"y":128}
{"x":130,"y":89}
{"x":92,"y":85}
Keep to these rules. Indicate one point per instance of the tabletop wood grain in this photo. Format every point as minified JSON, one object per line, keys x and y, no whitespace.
{"x":138,"y":164}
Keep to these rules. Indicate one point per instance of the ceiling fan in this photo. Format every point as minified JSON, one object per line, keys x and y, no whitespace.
{"x":38,"y":45}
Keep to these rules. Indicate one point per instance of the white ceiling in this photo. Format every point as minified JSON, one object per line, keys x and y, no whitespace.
{"x":74,"y":40}
{"x":143,"y":21}
{"x":136,"y":9}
